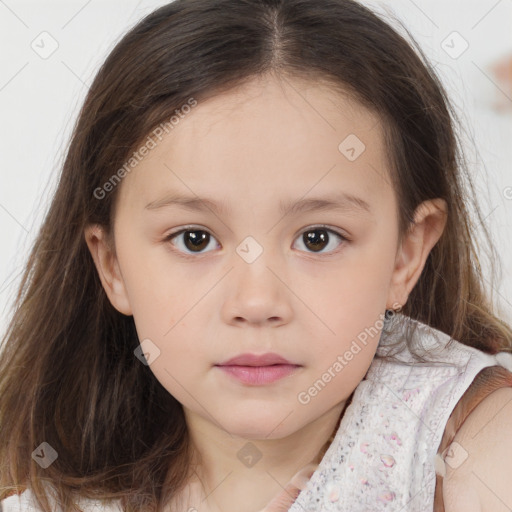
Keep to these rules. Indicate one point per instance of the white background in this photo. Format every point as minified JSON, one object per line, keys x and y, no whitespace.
{"x":40,"y":98}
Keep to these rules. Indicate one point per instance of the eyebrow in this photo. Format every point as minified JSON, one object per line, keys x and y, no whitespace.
{"x":342,"y":201}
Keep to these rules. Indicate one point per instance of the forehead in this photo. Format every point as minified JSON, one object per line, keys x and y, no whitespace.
{"x":270,"y":138}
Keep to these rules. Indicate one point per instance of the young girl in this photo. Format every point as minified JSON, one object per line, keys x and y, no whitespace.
{"x":257,"y":287}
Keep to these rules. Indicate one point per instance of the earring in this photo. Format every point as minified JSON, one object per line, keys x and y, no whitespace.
{"x":390,"y":313}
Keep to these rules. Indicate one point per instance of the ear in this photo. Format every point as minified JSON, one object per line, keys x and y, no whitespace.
{"x":423,"y":234}
{"x":105,"y":259}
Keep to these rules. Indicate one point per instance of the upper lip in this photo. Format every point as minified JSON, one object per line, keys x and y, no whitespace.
{"x":267,"y":359}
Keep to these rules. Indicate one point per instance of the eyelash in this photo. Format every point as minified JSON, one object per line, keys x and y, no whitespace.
{"x":173,"y":235}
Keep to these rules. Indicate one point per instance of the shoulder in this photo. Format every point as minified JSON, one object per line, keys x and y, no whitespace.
{"x":479,"y":460}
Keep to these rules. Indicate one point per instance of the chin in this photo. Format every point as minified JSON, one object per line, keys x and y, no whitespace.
{"x":263,"y":430}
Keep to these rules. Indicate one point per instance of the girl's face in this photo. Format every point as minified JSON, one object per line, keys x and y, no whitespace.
{"x":291,"y":248}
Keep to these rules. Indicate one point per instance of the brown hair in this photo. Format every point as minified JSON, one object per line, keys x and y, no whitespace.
{"x":68,"y":374}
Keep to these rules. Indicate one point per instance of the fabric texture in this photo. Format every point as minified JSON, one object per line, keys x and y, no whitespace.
{"x":386,"y":452}
{"x":25,"y":502}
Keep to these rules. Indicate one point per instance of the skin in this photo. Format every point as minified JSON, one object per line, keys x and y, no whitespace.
{"x":267,"y":141}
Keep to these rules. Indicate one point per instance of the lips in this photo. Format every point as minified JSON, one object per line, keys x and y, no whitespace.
{"x":247,"y":359}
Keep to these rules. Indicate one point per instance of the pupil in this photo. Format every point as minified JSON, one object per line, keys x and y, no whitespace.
{"x":315,"y":240}
{"x":311,"y":238}
{"x":197,"y":239}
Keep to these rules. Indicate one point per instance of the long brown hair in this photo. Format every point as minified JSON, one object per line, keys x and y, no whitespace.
{"x":68,"y":374}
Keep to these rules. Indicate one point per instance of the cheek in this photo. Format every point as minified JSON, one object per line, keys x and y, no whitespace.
{"x":352,"y":309}
{"x":341,"y":360}
{"x":165,"y":298}
{"x":354,"y":291}
{"x":156,"y":289}
{"x":180,"y":360}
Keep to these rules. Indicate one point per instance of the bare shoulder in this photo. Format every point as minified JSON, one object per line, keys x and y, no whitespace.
{"x":479,"y":461}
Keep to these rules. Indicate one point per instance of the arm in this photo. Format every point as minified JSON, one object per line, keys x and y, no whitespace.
{"x":479,"y":460}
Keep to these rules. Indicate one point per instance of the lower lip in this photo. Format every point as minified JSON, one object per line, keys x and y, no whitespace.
{"x":259,"y":374}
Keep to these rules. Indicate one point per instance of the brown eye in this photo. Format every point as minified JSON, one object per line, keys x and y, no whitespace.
{"x":196,"y":240}
{"x":316,"y":239}
{"x":193,"y":240}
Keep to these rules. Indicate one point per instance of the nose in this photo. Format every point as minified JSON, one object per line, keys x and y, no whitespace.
{"x":258,"y":294}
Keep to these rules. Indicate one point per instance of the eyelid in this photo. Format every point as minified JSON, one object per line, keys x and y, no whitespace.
{"x":344,"y":238}
{"x":337,"y":231}
{"x":170,"y":236}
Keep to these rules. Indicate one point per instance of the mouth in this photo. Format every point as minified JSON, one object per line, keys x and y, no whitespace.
{"x":268,"y":359}
{"x":259,"y":375}
{"x":258,"y":369}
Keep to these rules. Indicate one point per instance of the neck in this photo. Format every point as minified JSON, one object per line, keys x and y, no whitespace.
{"x":236,"y":474}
